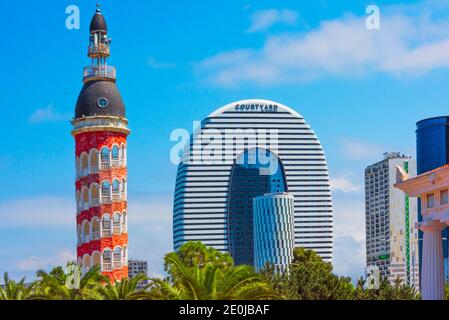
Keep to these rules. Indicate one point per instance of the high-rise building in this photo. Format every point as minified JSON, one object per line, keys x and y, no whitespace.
{"x":274,"y":236}
{"x":432,"y":151}
{"x":259,"y":147}
{"x":391,"y":217}
{"x":136,"y":267}
{"x":100,"y":131}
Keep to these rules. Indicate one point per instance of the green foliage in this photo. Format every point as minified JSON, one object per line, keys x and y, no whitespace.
{"x":126,"y":289}
{"x":386,"y":291}
{"x":200,"y":273}
{"x":12,"y":290}
{"x":309,"y":278}
{"x":52,"y":285}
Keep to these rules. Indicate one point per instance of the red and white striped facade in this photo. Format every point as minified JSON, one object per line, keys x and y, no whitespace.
{"x":100,"y":129}
{"x":102,"y":233}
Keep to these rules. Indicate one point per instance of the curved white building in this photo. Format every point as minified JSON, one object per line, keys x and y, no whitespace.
{"x":214,"y":191}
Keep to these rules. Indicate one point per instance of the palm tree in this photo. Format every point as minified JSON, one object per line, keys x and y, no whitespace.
{"x":12,"y":290}
{"x":52,"y":286}
{"x":125,"y":289}
{"x":200,"y":273}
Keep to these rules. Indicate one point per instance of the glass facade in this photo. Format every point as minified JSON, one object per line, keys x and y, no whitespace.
{"x":432,"y":151}
{"x":250,"y":177}
{"x":274,"y":238}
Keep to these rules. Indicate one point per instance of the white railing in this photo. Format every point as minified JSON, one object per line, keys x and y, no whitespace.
{"x":122,"y":162}
{"x":85,"y":206}
{"x":100,"y":71}
{"x":106,"y":233}
{"x":84,"y":172}
{"x":86,"y":238}
{"x":117,"y":264}
{"x":115,"y":163}
{"x":124,"y":228}
{"x":106,"y":199}
{"x":101,"y":48}
{"x":105,"y":166}
{"x":95,"y":235}
{"x":107,"y":266}
{"x":94,"y":169}
{"x":123,"y":197}
{"x":115,"y":197}
{"x":124,"y":262}
{"x":95,"y":202}
{"x":117,"y":229}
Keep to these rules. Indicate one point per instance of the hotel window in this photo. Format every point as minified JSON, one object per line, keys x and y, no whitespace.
{"x":430,"y":200}
{"x":444,"y":197}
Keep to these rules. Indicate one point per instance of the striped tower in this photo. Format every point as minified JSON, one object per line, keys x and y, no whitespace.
{"x":100,"y":131}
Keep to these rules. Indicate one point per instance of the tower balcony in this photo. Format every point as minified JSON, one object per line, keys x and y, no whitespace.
{"x":99,"y":72}
{"x":99,"y":50}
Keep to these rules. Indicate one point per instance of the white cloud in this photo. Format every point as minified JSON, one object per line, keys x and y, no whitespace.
{"x":37,"y":212}
{"x":160,"y":65}
{"x":359,"y":150}
{"x":47,"y":114}
{"x":150,"y":230}
{"x":349,"y":257}
{"x":149,"y":225}
{"x":349,"y":216}
{"x":265,"y":19}
{"x":343,"y":184}
{"x":406,"y":45}
{"x":349,"y":235}
{"x":34,"y":263}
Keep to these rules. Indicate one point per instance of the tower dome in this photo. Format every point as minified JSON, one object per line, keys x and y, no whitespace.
{"x":98,"y":22}
{"x":99,"y":98}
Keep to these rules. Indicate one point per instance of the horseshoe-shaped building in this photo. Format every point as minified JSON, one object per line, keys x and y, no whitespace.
{"x":215,"y":187}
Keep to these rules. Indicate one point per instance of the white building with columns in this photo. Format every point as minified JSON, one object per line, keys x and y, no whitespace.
{"x":433,"y":189}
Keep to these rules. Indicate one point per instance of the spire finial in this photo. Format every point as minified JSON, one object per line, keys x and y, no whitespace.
{"x":98,"y":7}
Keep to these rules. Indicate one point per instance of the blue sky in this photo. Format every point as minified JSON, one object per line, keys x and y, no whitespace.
{"x":361,"y":90}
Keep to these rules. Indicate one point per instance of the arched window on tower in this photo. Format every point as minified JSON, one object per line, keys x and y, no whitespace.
{"x":105,"y":192}
{"x":77,"y":167}
{"x":86,"y":231}
{"x":86,"y":263}
{"x":104,"y":159}
{"x":84,"y":164}
{"x":107,"y":260}
{"x":123,"y":155}
{"x":125,"y":256}
{"x":94,"y":195}
{"x":94,"y":161}
{"x":117,"y":258}
{"x":95,"y":228}
{"x":106,"y":226}
{"x":85,"y":198}
{"x":78,"y":234}
{"x":116,"y":221}
{"x":115,"y":156}
{"x":123,"y":191}
{"x":96,"y":257}
{"x":78,"y":202}
{"x":124,"y":222}
{"x":115,"y":190}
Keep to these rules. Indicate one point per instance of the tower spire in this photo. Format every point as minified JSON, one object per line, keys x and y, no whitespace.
{"x":99,"y":50}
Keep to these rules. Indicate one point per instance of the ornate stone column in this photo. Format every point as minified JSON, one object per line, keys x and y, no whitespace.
{"x":432,"y":284}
